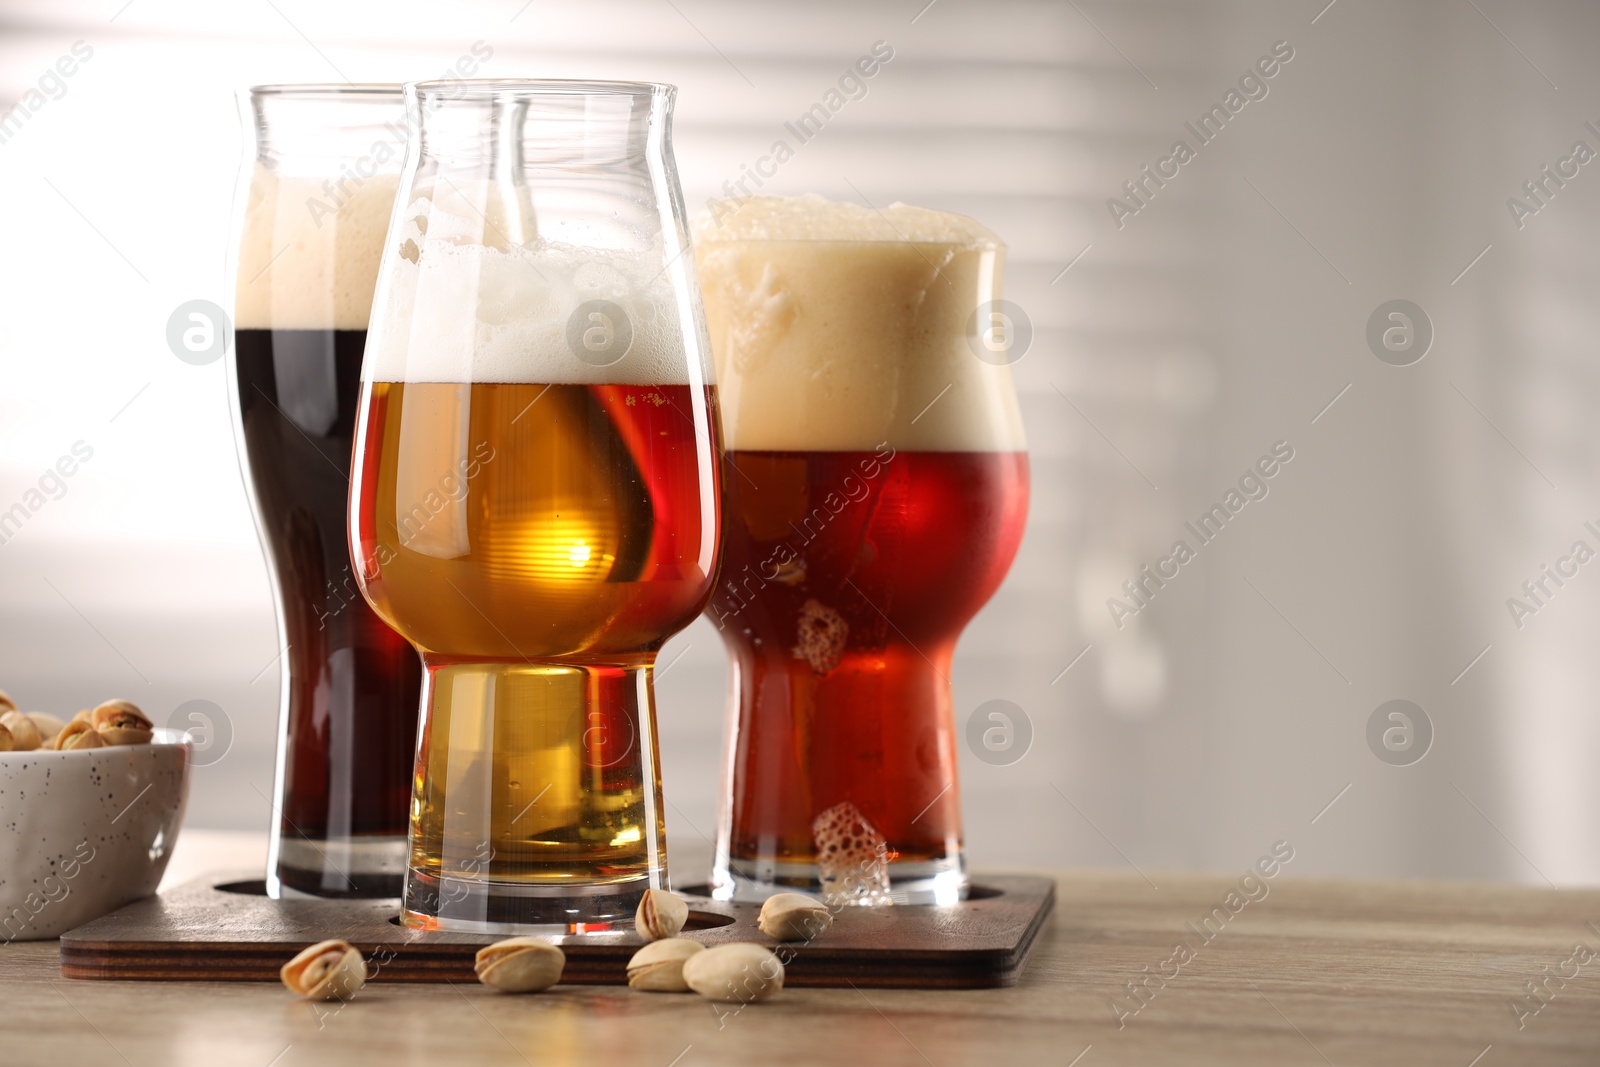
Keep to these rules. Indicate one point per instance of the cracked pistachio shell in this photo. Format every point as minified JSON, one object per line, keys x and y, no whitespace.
{"x":793,"y":917}
{"x":520,"y":965}
{"x":661,"y":915}
{"x":5,"y":740}
{"x":78,"y":735}
{"x":25,"y":736}
{"x":740,"y":973}
{"x":120,"y":722}
{"x":328,"y":970}
{"x":658,"y":967}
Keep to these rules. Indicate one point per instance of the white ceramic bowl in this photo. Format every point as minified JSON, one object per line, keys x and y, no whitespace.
{"x":84,"y":832}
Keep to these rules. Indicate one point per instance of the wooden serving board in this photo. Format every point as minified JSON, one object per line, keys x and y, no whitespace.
{"x":224,"y":928}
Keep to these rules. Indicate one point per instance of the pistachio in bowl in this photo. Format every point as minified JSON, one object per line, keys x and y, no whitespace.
{"x":116,"y":722}
{"x":89,"y":813}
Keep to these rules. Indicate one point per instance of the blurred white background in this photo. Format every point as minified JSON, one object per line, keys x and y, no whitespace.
{"x":1168,"y":355}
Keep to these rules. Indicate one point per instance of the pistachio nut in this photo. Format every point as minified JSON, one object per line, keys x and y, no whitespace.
{"x":76,"y":735}
{"x":740,"y":973}
{"x":793,"y":917}
{"x":328,"y":970}
{"x":5,"y":740}
{"x":25,"y":736}
{"x":6,"y":703}
{"x":661,"y":914}
{"x":520,"y":965}
{"x":658,"y":967}
{"x":120,"y":722}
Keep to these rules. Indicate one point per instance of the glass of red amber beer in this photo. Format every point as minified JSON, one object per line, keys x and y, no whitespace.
{"x":876,"y":485}
{"x":535,"y":494}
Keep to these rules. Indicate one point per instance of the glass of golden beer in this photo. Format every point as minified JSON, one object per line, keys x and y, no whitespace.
{"x":535,"y":495}
{"x":876,"y":486}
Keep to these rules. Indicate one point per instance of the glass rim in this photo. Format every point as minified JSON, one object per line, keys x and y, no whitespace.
{"x":483,"y":88}
{"x":330,"y":90}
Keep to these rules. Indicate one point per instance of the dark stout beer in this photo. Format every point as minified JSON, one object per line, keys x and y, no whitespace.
{"x":321,"y":188}
{"x":353,"y":683}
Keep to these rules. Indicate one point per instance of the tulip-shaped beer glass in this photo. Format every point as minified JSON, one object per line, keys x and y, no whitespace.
{"x":876,"y":491}
{"x":535,"y":497}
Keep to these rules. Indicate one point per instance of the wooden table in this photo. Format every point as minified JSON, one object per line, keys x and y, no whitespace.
{"x":1316,"y":972}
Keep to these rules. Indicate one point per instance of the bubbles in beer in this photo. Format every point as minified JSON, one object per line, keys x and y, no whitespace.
{"x":852,"y":858}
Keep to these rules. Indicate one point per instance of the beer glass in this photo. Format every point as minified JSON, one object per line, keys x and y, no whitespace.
{"x":536,"y":488}
{"x":876,"y":487}
{"x":321,"y":178}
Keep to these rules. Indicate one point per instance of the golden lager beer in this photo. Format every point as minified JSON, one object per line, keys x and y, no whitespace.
{"x":537,"y":543}
{"x":535,"y":495}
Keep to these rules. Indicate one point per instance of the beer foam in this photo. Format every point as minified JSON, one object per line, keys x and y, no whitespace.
{"x":852,"y":858}
{"x":816,"y":218}
{"x":837,"y":327}
{"x":463,"y":303}
{"x":308,"y":257}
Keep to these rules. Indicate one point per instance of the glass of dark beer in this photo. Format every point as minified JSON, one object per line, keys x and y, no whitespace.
{"x":875,"y":490}
{"x":536,"y":490}
{"x":321,"y":183}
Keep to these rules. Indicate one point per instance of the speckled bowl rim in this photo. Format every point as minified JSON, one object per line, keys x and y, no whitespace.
{"x":162,"y":737}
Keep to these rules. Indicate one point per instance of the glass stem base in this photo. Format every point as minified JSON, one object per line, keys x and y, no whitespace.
{"x":365,"y":867}
{"x":537,"y":805}
{"x":497,"y":907}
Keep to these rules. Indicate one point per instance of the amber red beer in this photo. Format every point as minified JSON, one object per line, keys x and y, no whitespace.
{"x":844,"y":675}
{"x":875,"y":491}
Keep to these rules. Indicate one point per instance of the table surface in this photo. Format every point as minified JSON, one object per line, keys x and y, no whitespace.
{"x":1314,"y":972}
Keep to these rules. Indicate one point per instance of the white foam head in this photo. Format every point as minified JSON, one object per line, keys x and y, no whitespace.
{"x":836,"y":327}
{"x":308,"y":257}
{"x":463,"y":302}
